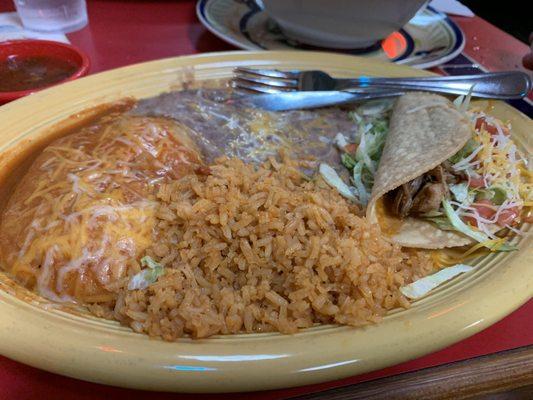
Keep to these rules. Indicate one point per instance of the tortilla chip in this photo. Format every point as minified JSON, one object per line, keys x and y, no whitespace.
{"x":425,"y":130}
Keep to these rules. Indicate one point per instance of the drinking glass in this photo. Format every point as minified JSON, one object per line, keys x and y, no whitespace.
{"x":60,"y":16}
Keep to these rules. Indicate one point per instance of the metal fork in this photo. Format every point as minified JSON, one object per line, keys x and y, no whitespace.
{"x":496,"y":85}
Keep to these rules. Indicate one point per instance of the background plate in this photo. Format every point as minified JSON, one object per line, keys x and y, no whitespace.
{"x":429,"y":39}
{"x":76,"y":344}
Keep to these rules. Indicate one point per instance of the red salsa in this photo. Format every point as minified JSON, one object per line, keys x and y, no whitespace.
{"x":18,"y":73}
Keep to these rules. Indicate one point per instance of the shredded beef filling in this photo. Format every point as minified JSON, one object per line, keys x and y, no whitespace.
{"x":425,"y":193}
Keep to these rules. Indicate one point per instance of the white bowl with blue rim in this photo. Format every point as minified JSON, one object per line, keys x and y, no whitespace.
{"x":341,"y":24}
{"x":430,"y":38}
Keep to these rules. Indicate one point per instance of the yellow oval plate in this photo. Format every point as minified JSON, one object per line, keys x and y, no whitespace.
{"x":79,"y":345}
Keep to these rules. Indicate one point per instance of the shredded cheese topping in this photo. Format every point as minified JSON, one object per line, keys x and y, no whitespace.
{"x":498,"y":163}
{"x":89,"y":203}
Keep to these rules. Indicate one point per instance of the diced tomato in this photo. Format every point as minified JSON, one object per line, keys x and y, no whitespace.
{"x":481,"y":123}
{"x":469,"y":220}
{"x":491,"y":129}
{"x":508,"y":216}
{"x":476,"y":182}
{"x":484,"y":208}
{"x":350,"y":148}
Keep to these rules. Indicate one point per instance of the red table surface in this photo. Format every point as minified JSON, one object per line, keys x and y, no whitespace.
{"x":123,"y":32}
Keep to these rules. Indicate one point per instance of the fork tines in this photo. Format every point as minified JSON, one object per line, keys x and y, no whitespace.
{"x":270,"y":73}
{"x":264,"y":80}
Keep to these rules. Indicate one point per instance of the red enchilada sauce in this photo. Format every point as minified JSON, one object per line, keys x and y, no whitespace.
{"x":33,"y":72}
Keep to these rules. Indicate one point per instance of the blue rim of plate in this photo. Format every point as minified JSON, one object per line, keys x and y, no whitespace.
{"x":255,"y":8}
{"x":459,"y":42}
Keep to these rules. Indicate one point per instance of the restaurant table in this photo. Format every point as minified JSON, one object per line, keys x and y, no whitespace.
{"x":500,"y":358}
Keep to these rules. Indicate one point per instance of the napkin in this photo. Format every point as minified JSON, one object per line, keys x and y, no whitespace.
{"x":451,"y":7}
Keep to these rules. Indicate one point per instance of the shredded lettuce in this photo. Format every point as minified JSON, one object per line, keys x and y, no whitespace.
{"x":432,"y":213}
{"x":334,"y":180}
{"x":467,"y":149}
{"x":461,"y":192}
{"x":458,"y":102}
{"x":363,"y":154}
{"x":441,"y":222}
{"x":364,"y":163}
{"x":423,"y":286}
{"x":355,"y":116}
{"x":372,"y":120}
{"x":499,"y":195}
{"x":340,"y":141}
{"x":495,"y":194}
{"x":374,"y":107}
{"x":466,"y":103}
{"x":147,"y":276}
{"x":362,"y":193}
{"x":149,"y":262}
{"x":367,"y":157}
{"x":348,"y":161}
{"x":462,"y":103}
{"x":477,"y":235}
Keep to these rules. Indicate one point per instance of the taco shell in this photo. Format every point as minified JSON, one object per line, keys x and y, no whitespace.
{"x":425,"y":130}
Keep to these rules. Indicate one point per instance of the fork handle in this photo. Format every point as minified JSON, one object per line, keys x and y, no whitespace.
{"x":496,"y":85}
